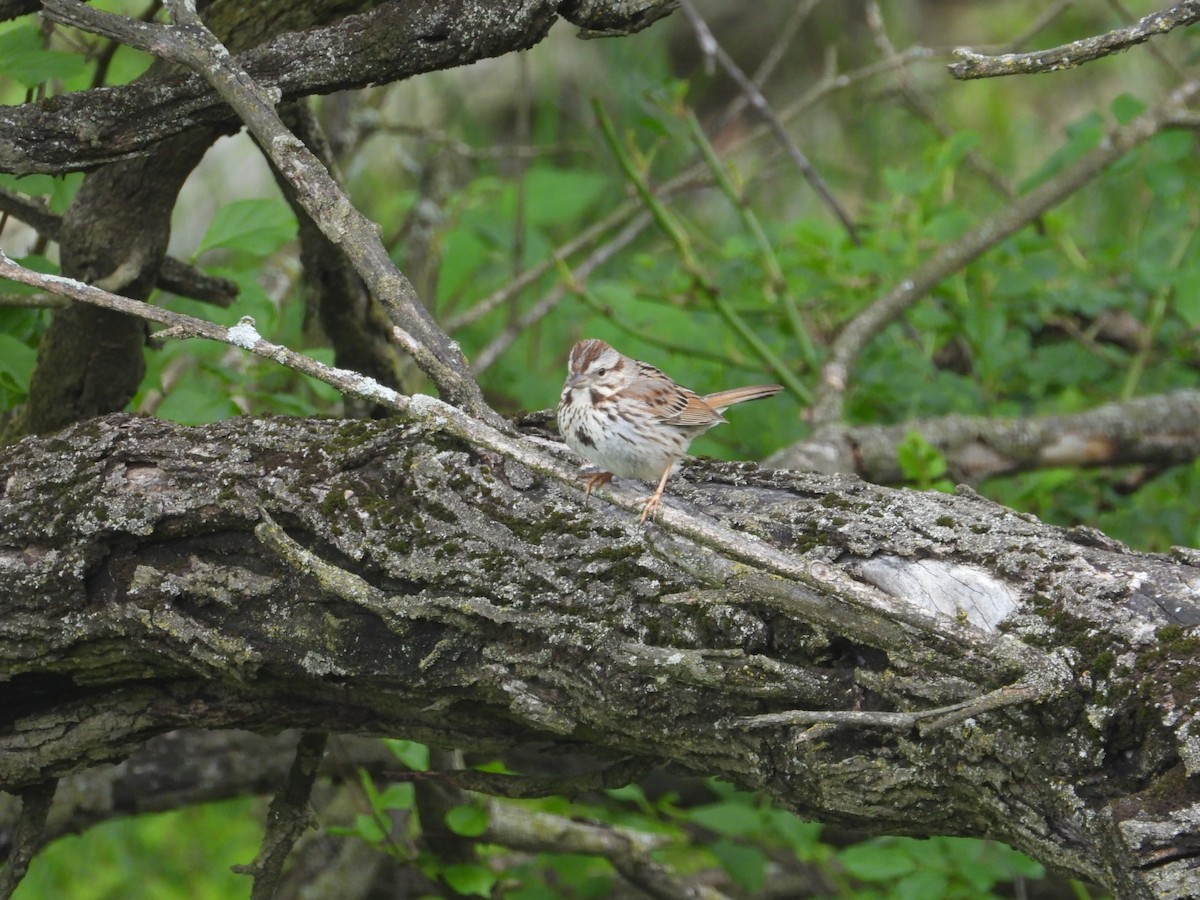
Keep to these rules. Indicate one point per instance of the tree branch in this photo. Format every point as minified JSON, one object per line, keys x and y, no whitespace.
{"x":176,"y":276}
{"x":1160,"y":430}
{"x":288,"y":817}
{"x":191,"y":44}
{"x":424,"y":584}
{"x":1075,"y":54}
{"x":393,"y":41}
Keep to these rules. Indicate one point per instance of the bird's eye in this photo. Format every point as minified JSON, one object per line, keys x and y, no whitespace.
{"x":602,"y":371}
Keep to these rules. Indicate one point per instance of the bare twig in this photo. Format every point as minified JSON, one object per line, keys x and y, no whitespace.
{"x":35,"y":806}
{"x":1070,"y":56}
{"x":953,"y":257}
{"x":543,"y":307}
{"x":629,"y":851}
{"x":708,"y":44}
{"x":1044,"y":18}
{"x":288,"y":817}
{"x":772,"y":59}
{"x":175,"y":276}
{"x":922,"y":104}
{"x":242,"y":335}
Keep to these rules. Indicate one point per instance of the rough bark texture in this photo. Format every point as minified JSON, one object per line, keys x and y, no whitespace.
{"x":450,"y":595}
{"x":392,"y":41}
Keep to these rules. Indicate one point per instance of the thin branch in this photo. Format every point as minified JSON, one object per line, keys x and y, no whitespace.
{"x":770,"y":61}
{"x":924,"y":107}
{"x":35,"y":806}
{"x":710,"y":46}
{"x":835,"y":375}
{"x":1070,"y":56}
{"x":942,"y":716}
{"x":179,"y":325}
{"x":175,"y":276}
{"x":547,"y":304}
{"x":631,"y":852}
{"x":288,"y":817}
{"x":584,"y":239}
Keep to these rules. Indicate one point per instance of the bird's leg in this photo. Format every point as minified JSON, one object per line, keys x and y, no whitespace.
{"x":594,"y":481}
{"x":654,"y":501}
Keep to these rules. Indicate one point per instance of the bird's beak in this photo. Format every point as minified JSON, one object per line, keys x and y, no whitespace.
{"x":575,"y":379}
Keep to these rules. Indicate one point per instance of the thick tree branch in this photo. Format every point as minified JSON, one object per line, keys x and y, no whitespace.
{"x":393,"y":41}
{"x":427,"y":586}
{"x":1070,"y":56}
{"x":1161,"y":430}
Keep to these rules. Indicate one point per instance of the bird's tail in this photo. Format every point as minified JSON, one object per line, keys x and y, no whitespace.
{"x":722,"y":400}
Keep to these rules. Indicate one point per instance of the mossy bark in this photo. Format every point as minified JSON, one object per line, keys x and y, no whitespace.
{"x":389,"y":579}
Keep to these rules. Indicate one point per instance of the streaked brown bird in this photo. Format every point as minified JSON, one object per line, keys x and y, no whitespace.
{"x":632,"y":420}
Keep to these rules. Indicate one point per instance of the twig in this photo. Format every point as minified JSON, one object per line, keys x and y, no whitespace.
{"x":924,"y":108}
{"x":288,"y":817}
{"x":242,"y":335}
{"x":701,"y":277}
{"x":585,"y":238}
{"x":27,"y":839}
{"x":772,"y":59}
{"x":709,"y":45}
{"x":1154,"y":50}
{"x":175,"y":275}
{"x":941,"y":717}
{"x":629,"y":851}
{"x":777,"y":289}
{"x":1070,"y":56}
{"x":543,"y":307}
{"x":835,"y":375}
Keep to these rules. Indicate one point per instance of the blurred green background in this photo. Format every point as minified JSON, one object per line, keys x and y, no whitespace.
{"x":508,"y":193}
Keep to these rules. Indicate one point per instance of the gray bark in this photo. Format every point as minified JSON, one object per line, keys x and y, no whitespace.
{"x":896,"y":661}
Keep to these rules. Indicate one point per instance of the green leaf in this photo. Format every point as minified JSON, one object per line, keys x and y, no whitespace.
{"x":412,"y":754}
{"x":469,"y":878}
{"x":16,"y":362}
{"x":1127,"y":107}
{"x":24,"y":59}
{"x":745,"y":865}
{"x":468,"y":820}
{"x":258,"y":227}
{"x":923,"y":884}
{"x":368,"y":828}
{"x":734,"y":819}
{"x":401,"y":795}
{"x":196,"y":403}
{"x":876,"y":861}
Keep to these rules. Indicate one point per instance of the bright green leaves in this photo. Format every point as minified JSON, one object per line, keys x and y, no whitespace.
{"x":24,"y":58}
{"x":468,"y":820}
{"x":257,"y":227}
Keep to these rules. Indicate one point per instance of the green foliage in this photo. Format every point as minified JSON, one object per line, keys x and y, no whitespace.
{"x":469,"y":820}
{"x":256,"y":227}
{"x":742,"y":276}
{"x":177,"y":855}
{"x":24,"y":58}
{"x":922,"y":464}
